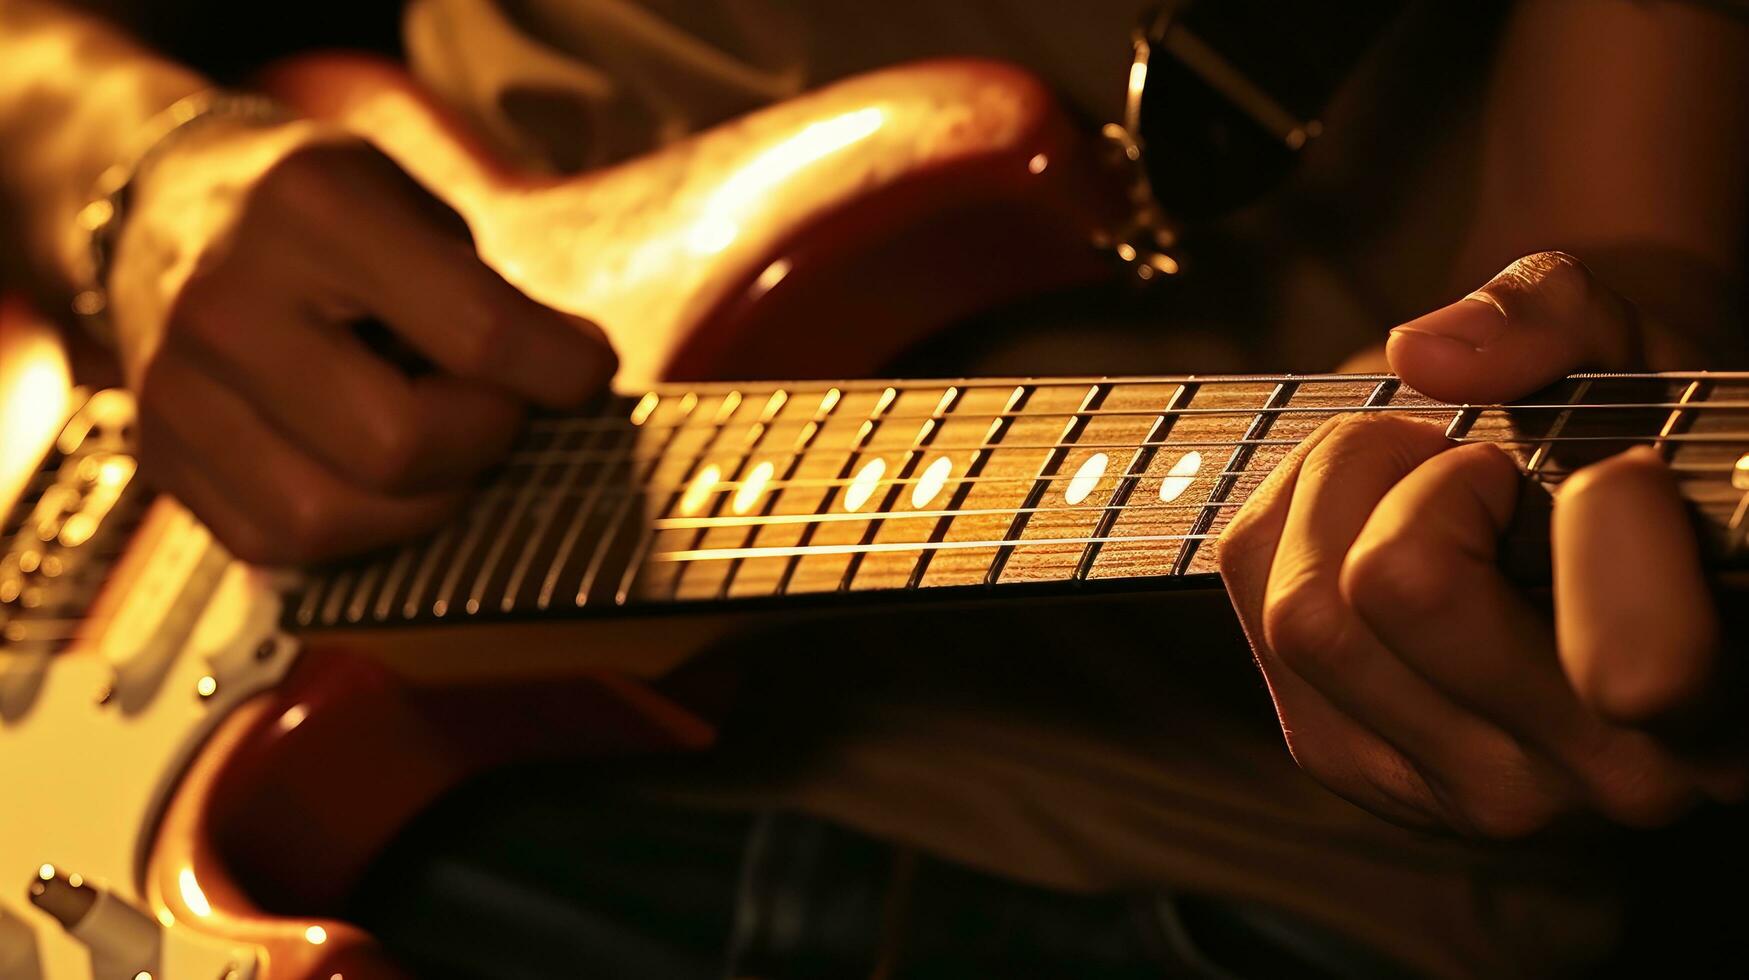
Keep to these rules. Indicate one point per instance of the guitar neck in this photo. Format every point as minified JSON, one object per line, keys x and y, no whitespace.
{"x":708,"y":493}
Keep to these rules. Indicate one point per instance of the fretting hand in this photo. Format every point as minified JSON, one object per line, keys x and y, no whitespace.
{"x":1409,"y":676}
{"x":248,"y":258}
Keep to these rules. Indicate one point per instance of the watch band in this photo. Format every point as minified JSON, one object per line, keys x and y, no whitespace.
{"x":101,"y":220}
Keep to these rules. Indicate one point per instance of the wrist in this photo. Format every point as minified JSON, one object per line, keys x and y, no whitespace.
{"x":104,"y":216}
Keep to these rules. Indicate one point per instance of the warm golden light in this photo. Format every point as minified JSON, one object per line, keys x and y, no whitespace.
{"x":770,"y":277}
{"x":719,"y":222}
{"x":316,"y":935}
{"x":863,"y":485}
{"x":35,"y":382}
{"x":293,"y":717}
{"x":192,"y":896}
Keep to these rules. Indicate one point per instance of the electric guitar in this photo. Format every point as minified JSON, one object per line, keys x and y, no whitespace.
{"x":198,"y":758}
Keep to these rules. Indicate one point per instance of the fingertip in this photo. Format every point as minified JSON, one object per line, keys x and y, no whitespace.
{"x":586,"y":366}
{"x":1440,"y":366}
{"x":1639,"y":635}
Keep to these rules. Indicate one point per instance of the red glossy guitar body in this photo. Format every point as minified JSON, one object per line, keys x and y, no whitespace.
{"x":813,"y":238}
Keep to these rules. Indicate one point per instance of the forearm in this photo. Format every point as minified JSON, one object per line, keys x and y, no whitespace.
{"x":1618,"y":131}
{"x":74,"y":98}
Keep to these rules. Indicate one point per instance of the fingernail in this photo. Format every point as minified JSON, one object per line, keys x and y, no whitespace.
{"x":1474,"y":321}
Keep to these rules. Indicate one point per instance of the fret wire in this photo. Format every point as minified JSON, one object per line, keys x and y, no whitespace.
{"x":403,"y":563}
{"x":919,"y":443}
{"x":309,"y":602}
{"x":501,"y":541}
{"x":1462,"y":421}
{"x":1126,"y":486}
{"x":367,"y":581}
{"x":718,"y":499}
{"x":452,"y":576}
{"x":586,"y":508}
{"x":822,"y":415}
{"x":840,"y":482}
{"x":864,"y":434}
{"x":723,"y":554}
{"x":1240,"y":459}
{"x":411,"y":606}
{"x":1046,"y":473}
{"x":602,"y":546}
{"x":337,"y":587}
{"x":1678,"y":410}
{"x":993,"y":436}
{"x":1238,"y":379}
{"x":1428,"y":408}
{"x":1707,"y":437}
{"x":1541,"y":454}
{"x":1668,"y":429}
{"x":635,"y":562}
{"x":559,"y":493}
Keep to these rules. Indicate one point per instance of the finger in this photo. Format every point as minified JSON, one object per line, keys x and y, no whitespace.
{"x":1639,"y":635}
{"x":1542,"y":318}
{"x":1342,"y":754}
{"x":1485,"y":777}
{"x":289,"y":507}
{"x":344,"y":405}
{"x":1423,"y":576}
{"x":429,"y":284}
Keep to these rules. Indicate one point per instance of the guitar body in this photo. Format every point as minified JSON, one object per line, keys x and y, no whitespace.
{"x":217,"y":785}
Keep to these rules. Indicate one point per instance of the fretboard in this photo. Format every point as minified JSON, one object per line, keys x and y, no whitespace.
{"x":690,"y":494}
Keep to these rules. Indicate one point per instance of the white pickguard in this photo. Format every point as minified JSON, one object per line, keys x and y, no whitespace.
{"x":83,"y":777}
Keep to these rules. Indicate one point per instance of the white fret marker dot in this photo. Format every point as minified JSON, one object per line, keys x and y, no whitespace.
{"x":700,"y":489}
{"x":931,"y":482}
{"x":1179,"y":477}
{"x":863,"y":485}
{"x":752,"y":487}
{"x":1085,"y":478}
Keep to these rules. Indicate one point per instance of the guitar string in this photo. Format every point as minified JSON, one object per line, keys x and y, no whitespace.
{"x":546,"y":456}
{"x":549,"y":424}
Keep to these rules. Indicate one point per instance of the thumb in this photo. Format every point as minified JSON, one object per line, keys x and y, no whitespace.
{"x":1542,"y":318}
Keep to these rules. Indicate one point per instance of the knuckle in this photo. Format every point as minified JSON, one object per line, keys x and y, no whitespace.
{"x":1554,"y":278}
{"x":1393,"y":577}
{"x":479,"y":349}
{"x":1370,"y":439}
{"x":311,"y":526}
{"x":296,"y":179}
{"x":392,"y":456}
{"x":1307,"y":631}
